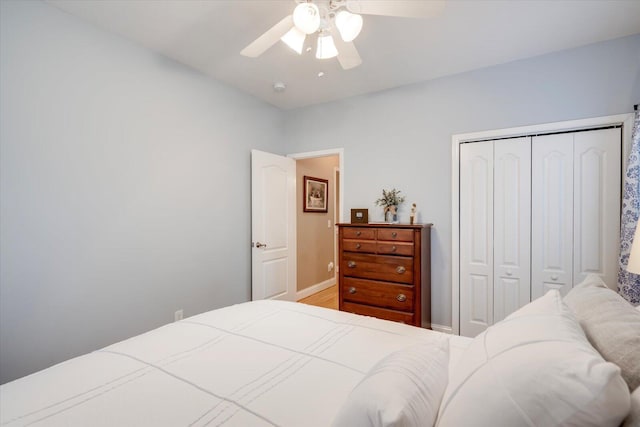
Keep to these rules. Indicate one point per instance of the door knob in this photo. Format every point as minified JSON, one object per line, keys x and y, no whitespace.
{"x":261,"y":245}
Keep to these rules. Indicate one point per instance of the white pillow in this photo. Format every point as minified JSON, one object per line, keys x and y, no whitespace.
{"x":633,"y":419}
{"x":536,"y":367}
{"x":610,"y":324}
{"x":403,"y":389}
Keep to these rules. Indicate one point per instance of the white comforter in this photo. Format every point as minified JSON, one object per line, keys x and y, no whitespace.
{"x":253,"y":364}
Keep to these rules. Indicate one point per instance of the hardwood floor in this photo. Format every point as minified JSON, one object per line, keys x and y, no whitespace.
{"x":327,"y":298}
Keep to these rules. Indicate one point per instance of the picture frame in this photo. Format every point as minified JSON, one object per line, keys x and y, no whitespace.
{"x":315,"y":194}
{"x":359,"y":216}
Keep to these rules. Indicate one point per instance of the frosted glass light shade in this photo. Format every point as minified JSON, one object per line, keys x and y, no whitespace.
{"x":326,"y":47}
{"x":306,"y":18}
{"x":633,"y":266}
{"x":349,"y":25}
{"x":294,"y":39}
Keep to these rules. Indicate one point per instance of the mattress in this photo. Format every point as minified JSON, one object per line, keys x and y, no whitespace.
{"x":252,"y":364}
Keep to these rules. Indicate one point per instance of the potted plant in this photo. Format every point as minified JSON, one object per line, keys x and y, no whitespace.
{"x":390,"y":200}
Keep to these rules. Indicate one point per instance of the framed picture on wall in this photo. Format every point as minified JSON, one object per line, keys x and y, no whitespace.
{"x":315,"y":194}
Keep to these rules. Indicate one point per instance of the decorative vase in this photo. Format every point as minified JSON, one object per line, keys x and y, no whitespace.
{"x":391,"y":214}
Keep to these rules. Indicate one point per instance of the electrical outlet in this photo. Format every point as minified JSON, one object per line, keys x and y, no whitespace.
{"x":178,"y":315}
{"x":330,"y":266}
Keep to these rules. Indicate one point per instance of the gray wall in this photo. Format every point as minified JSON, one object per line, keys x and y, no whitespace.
{"x":402,"y":137}
{"x":125,"y":188}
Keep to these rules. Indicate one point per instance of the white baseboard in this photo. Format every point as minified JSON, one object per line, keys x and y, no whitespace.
{"x":441,"y":328}
{"x":315,"y":288}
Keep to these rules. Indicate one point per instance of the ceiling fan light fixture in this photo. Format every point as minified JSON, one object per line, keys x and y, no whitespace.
{"x":326,"y":47}
{"x":306,"y":18}
{"x":349,"y":25}
{"x":294,"y":39}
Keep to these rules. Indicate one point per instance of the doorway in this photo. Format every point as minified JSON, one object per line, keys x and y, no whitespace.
{"x":315,"y":231}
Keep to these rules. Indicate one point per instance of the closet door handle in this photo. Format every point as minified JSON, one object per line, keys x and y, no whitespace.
{"x":401,"y":297}
{"x":400,"y":270}
{"x":352,"y":290}
{"x":351,"y":264}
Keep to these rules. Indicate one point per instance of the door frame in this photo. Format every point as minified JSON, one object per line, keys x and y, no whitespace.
{"x":625,"y":120}
{"x":340,"y":217}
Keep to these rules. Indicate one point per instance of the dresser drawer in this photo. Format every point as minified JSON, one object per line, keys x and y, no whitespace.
{"x":395,"y":248}
{"x":380,"y":313}
{"x":359,"y":233}
{"x":397,"y":234}
{"x":377,"y":267}
{"x":365,"y":246}
{"x":381,"y":294}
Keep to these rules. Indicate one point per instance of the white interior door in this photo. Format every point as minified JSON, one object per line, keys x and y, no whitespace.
{"x":476,"y":237}
{"x":596,"y":225}
{"x":511,"y":226}
{"x":273,"y":226}
{"x":552,"y":214}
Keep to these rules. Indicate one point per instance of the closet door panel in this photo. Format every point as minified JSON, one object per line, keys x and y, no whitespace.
{"x":596,"y":228}
{"x":552,"y":214}
{"x":476,"y":237}
{"x":512,"y":226}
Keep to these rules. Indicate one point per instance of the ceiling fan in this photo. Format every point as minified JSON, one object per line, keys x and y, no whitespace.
{"x":336,"y":23}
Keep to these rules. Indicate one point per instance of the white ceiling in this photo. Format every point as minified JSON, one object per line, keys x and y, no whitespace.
{"x":208,"y":35}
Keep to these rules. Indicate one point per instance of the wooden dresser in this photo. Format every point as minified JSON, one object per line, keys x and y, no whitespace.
{"x":385,"y":271}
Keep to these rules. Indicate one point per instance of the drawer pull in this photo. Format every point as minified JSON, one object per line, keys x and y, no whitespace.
{"x":393,"y":249}
{"x":400,"y":270}
{"x":358,"y":245}
{"x":352,"y":290}
{"x":358,"y":233}
{"x":401,"y":297}
{"x":554,"y":277}
{"x":351,"y":264}
{"x":394,"y":234}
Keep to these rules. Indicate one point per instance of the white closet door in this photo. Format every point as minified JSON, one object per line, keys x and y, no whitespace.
{"x":596,"y":227}
{"x":512,"y":226}
{"x":476,"y":237}
{"x":552,"y":214}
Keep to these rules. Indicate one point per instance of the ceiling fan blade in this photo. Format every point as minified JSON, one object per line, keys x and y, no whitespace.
{"x":400,"y":8}
{"x":348,"y":55}
{"x":268,"y":39}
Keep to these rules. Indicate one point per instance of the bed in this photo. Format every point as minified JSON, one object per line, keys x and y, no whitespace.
{"x":275,"y":363}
